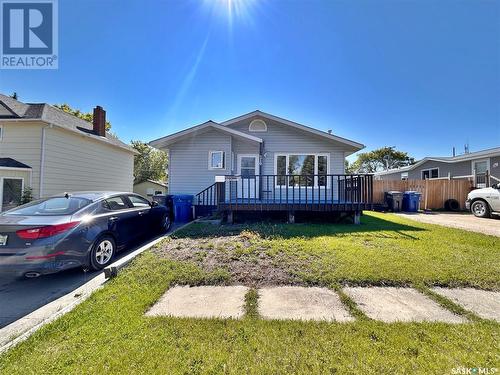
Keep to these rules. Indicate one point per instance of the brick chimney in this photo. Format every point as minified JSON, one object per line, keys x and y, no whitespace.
{"x":99,"y":121}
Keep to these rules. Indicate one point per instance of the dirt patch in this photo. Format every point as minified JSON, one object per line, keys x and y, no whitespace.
{"x":248,"y":259}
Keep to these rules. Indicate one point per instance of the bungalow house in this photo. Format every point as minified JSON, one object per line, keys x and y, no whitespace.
{"x":259,"y":161}
{"x":51,"y":151}
{"x":482,"y":167}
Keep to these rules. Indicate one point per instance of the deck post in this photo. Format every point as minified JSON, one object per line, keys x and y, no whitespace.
{"x":291,"y":217}
{"x":230,"y":217}
{"x":357,"y":217}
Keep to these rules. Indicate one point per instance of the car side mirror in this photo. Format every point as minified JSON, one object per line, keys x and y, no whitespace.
{"x":496,"y":186}
{"x":154,"y":204}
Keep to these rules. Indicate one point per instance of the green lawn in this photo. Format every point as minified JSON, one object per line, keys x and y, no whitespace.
{"x":109,"y":333}
{"x":385,"y":249}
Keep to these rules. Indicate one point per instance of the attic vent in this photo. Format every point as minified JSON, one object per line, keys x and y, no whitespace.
{"x":257,"y":126}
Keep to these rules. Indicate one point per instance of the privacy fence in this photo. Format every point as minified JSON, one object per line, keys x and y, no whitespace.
{"x":435,"y":192}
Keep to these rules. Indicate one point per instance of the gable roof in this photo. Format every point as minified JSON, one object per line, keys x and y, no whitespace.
{"x":355,"y":145}
{"x":446,"y":159}
{"x":159,"y":183}
{"x":13,"y":110}
{"x":172,"y":138}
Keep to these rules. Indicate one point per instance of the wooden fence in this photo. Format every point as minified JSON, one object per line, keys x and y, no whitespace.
{"x":434,"y":192}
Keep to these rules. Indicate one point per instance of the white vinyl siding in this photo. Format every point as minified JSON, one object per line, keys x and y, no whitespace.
{"x":21,"y":141}
{"x":188,"y":160}
{"x":75,"y":162}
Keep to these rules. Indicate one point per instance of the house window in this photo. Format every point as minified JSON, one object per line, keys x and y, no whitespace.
{"x":12,"y":192}
{"x":404,"y":176}
{"x":257,"y":126}
{"x":430,"y":173}
{"x":1,"y":132}
{"x":150,"y":191}
{"x":216,"y":160}
{"x":302,"y":168}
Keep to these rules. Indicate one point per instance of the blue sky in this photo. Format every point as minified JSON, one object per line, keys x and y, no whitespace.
{"x":420,"y":75}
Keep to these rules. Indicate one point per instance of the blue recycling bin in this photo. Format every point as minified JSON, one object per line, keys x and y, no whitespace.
{"x":182,"y":208}
{"x":411,"y":200}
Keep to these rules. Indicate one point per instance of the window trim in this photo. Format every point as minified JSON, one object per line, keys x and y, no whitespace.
{"x":257,"y":130}
{"x":1,"y":132}
{"x":430,"y":173}
{"x":210,"y":153}
{"x":1,"y":188}
{"x":287,"y":155}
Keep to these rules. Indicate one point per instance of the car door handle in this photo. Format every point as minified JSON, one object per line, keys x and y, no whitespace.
{"x":112,"y":219}
{"x":142,"y":213}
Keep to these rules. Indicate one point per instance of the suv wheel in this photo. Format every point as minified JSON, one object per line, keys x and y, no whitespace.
{"x":480,"y":209}
{"x":102,"y":253}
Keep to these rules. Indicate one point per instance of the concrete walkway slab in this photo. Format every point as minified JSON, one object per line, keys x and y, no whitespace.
{"x":201,"y":302}
{"x":484,"y":303}
{"x":391,"y":304}
{"x":300,"y":303}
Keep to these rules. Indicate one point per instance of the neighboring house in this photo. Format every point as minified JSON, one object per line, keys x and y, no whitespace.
{"x":259,"y":158}
{"x":150,"y":188}
{"x":51,"y":151}
{"x":483,"y":167}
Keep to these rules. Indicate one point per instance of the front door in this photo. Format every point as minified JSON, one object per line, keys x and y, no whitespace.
{"x":480,"y":167}
{"x":248,"y":169}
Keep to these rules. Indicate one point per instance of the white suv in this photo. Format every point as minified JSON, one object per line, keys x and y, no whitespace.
{"x":484,"y":202}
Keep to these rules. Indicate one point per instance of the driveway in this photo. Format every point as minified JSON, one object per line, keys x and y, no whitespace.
{"x":464,"y":221}
{"x":20,"y":297}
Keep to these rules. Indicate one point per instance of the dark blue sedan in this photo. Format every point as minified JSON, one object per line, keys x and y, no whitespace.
{"x":83,"y":229}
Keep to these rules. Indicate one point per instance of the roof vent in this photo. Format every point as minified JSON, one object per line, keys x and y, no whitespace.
{"x":257,"y":126}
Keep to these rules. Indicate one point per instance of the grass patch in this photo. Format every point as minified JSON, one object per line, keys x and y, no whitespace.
{"x":384,"y":250}
{"x":447,"y":303}
{"x":109,"y":333}
{"x":348,"y":302}
{"x":251,"y":304}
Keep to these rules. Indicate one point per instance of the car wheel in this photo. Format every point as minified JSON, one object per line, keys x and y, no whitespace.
{"x":480,"y":209}
{"x":167,"y":223}
{"x":102,"y":253}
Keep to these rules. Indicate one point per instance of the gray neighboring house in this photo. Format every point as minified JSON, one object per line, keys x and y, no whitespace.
{"x":51,"y":151}
{"x":252,"y":155}
{"x":483,"y":167}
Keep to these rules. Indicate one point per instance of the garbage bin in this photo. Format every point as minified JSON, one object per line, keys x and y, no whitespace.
{"x":394,"y":200}
{"x":182,"y":208}
{"x":411,"y":201}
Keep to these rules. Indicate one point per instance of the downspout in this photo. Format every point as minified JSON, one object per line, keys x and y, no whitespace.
{"x":261,"y":161}
{"x":42,"y":161}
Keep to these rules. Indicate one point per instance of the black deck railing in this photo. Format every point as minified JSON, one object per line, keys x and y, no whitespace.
{"x":288,"y":192}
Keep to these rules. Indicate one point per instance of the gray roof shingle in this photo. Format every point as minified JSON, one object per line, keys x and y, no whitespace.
{"x":52,"y":115}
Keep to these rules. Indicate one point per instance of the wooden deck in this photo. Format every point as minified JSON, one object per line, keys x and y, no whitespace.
{"x":292,"y":193}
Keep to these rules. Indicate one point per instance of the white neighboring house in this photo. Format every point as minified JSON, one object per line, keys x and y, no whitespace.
{"x":52,"y":151}
{"x":150,"y":188}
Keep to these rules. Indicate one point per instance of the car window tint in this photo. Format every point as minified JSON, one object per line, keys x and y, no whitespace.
{"x":116,"y":203}
{"x":138,"y":201}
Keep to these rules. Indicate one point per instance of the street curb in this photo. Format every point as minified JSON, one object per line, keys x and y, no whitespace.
{"x":24,"y":327}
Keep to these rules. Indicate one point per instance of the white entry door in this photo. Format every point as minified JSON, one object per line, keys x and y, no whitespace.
{"x":248,"y":169}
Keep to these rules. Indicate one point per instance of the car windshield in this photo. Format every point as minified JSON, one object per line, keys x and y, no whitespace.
{"x":51,"y":207}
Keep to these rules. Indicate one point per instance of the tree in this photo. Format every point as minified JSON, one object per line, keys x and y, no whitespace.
{"x":380,"y":159}
{"x":76,"y":112}
{"x":150,"y":164}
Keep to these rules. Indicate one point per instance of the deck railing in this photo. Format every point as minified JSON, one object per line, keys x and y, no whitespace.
{"x":312,"y":191}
